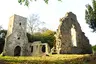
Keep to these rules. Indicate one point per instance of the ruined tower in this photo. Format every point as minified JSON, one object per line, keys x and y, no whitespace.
{"x":16,"y":42}
{"x":70,"y":38}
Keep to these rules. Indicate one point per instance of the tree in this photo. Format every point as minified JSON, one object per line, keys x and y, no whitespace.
{"x":94,"y":48}
{"x":45,"y":37}
{"x":48,"y":37}
{"x":26,"y":2}
{"x":43,"y":29}
{"x":90,"y":15}
{"x":0,"y":27}
{"x":2,"y":39}
{"x":34,"y":23}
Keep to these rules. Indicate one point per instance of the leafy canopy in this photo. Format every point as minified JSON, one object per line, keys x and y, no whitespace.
{"x":90,"y":15}
{"x":26,"y":2}
{"x":44,"y":37}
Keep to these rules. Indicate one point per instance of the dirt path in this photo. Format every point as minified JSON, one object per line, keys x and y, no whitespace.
{"x":92,"y":62}
{"x":2,"y":62}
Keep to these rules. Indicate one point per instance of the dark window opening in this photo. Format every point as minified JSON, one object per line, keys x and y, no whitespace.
{"x":43,"y":48}
{"x":31,"y":48}
{"x":19,"y":23}
{"x":71,"y":19}
{"x":18,"y":38}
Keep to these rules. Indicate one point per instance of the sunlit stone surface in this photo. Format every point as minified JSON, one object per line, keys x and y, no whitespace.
{"x":70,"y":38}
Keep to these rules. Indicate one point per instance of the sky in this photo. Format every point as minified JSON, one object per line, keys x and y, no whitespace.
{"x":49,"y":13}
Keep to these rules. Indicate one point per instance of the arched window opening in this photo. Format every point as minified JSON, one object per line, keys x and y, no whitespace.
{"x":73,"y":36}
{"x":43,"y":48}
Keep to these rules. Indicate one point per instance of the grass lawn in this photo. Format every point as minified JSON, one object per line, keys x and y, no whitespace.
{"x":51,"y":59}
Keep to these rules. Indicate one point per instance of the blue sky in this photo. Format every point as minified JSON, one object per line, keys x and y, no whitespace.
{"x":49,"y":13}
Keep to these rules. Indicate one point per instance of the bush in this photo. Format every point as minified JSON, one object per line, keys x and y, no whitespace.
{"x":94,"y":48}
{"x":2,"y":40}
{"x":44,"y":37}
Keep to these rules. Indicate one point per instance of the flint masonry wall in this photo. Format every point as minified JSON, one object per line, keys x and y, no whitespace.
{"x":64,"y":42}
{"x":16,"y":42}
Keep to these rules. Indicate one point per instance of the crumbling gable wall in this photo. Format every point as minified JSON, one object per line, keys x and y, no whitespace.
{"x":64,"y":43}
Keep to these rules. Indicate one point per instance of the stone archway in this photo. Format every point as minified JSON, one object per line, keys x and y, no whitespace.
{"x":43,"y":48}
{"x":17,"y":51}
{"x":73,"y":36}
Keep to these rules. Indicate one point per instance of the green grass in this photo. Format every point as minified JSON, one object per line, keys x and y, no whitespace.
{"x":51,"y":59}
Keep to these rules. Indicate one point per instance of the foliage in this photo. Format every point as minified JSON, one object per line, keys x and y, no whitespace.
{"x":3,"y":31}
{"x":51,"y":59}
{"x":29,"y":36}
{"x":26,"y":2}
{"x":44,"y":37}
{"x":48,"y":37}
{"x":94,"y":48}
{"x":90,"y":15}
{"x":37,"y":36}
{"x":34,"y":37}
{"x":34,"y":23}
{"x":2,"y":40}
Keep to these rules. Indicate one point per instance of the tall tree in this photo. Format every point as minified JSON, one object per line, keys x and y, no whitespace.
{"x":26,"y":2}
{"x":34,"y":23}
{"x":90,"y":15}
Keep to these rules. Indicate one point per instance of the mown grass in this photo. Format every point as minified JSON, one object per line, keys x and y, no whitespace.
{"x":51,"y":59}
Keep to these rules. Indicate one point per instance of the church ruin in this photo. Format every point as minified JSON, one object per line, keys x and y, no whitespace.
{"x":16,"y":41}
{"x":38,"y":48}
{"x":70,"y":38}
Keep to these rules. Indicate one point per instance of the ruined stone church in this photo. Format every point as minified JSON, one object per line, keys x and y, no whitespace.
{"x":16,"y":41}
{"x":70,"y":38}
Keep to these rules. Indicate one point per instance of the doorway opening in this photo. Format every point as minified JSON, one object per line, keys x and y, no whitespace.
{"x":17,"y":51}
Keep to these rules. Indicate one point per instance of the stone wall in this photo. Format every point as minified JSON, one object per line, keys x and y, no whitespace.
{"x":38,"y":48}
{"x":65,"y":40}
{"x":16,"y":42}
